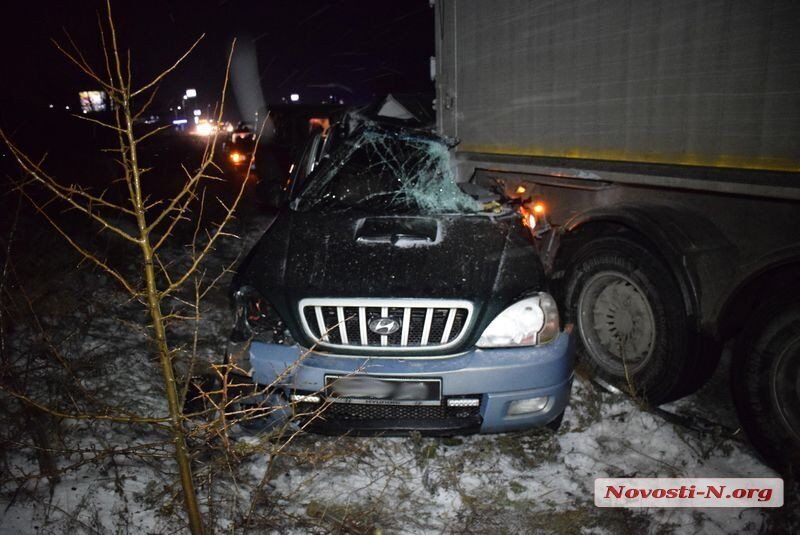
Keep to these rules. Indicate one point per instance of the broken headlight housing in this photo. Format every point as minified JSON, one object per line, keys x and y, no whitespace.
{"x":528,"y":322}
{"x":256,"y":319}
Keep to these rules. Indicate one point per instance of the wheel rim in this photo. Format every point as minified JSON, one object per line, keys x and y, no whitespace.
{"x":785,"y":382}
{"x":616,"y":322}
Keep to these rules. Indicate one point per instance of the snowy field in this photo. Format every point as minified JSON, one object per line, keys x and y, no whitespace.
{"x":531,"y":482}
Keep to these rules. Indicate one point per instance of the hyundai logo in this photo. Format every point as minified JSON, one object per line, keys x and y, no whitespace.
{"x":384,"y":326}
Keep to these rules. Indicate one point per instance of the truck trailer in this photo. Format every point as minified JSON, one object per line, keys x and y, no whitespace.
{"x":659,"y":143}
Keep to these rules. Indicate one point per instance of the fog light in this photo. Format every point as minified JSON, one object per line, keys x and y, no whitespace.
{"x":463,"y":402}
{"x":526,"y":406}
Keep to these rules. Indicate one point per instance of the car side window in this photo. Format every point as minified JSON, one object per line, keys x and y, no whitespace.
{"x":308,"y":161}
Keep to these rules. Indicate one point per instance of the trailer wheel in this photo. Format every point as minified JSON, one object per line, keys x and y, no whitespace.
{"x":766,"y":385}
{"x":629,"y":313}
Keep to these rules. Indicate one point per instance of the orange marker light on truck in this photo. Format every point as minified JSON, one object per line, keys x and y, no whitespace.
{"x":530,"y":212}
{"x":528,"y":217}
{"x":236,"y":157}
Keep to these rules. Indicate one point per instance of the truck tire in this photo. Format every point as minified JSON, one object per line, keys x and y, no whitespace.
{"x":633,"y":331}
{"x":766,"y":385}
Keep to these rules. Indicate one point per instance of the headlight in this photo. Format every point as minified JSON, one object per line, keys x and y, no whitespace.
{"x":531,"y":321}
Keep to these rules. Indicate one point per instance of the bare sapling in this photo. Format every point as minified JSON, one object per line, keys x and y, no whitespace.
{"x":145,"y":225}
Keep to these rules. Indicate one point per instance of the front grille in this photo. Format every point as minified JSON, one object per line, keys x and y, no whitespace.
{"x":422,"y":324}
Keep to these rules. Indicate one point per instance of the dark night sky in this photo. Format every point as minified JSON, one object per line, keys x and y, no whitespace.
{"x":371,"y":47}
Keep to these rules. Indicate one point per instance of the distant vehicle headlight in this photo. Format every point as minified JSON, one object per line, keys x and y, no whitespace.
{"x":204,"y":129}
{"x":531,"y":321}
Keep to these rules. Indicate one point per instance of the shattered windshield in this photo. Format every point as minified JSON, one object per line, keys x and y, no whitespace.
{"x":380,"y":170}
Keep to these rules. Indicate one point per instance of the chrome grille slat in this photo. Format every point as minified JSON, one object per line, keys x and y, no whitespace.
{"x":451,"y":317}
{"x":342,"y":326}
{"x":323,"y":331}
{"x":384,"y":338}
{"x":362,"y":325}
{"x":406,"y":324}
{"x":426,"y":330}
{"x":426,"y":324}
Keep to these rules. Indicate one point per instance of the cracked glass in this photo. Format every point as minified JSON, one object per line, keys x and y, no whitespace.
{"x":383,"y":170}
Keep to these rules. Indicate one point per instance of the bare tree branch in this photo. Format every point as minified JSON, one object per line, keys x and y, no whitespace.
{"x":161,"y":76}
{"x":84,"y":253}
{"x":80,"y":416}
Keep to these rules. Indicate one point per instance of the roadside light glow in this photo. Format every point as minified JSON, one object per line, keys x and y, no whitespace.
{"x":294,"y":97}
{"x":51,"y":106}
{"x":180,"y":121}
{"x":191,"y":93}
{"x":521,"y":189}
{"x":526,"y":406}
{"x":538,"y":208}
{"x":66,"y":107}
{"x":197,"y":113}
{"x":531,"y":221}
{"x":179,"y":107}
{"x":236,"y":157}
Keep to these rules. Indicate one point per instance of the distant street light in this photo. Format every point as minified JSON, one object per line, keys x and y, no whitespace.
{"x":191,"y":93}
{"x":197,"y":113}
{"x":294,"y":97}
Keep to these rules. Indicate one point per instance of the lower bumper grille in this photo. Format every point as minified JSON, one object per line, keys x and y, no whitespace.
{"x":357,"y":418}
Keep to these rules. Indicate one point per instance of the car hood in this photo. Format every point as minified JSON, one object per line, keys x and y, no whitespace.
{"x":488,"y":260}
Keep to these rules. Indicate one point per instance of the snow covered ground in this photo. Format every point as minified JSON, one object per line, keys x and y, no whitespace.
{"x":532,"y":482}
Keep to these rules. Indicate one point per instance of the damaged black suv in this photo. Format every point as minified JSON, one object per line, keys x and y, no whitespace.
{"x":388,"y":296}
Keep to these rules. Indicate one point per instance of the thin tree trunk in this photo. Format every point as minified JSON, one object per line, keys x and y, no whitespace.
{"x":164,"y":354}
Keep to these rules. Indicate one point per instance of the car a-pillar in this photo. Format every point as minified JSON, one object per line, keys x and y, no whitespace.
{"x":628,"y":307}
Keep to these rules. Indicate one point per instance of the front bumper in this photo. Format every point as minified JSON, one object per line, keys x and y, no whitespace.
{"x":496,"y":376}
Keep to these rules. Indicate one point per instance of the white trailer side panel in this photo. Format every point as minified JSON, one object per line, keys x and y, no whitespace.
{"x":689,"y":82}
